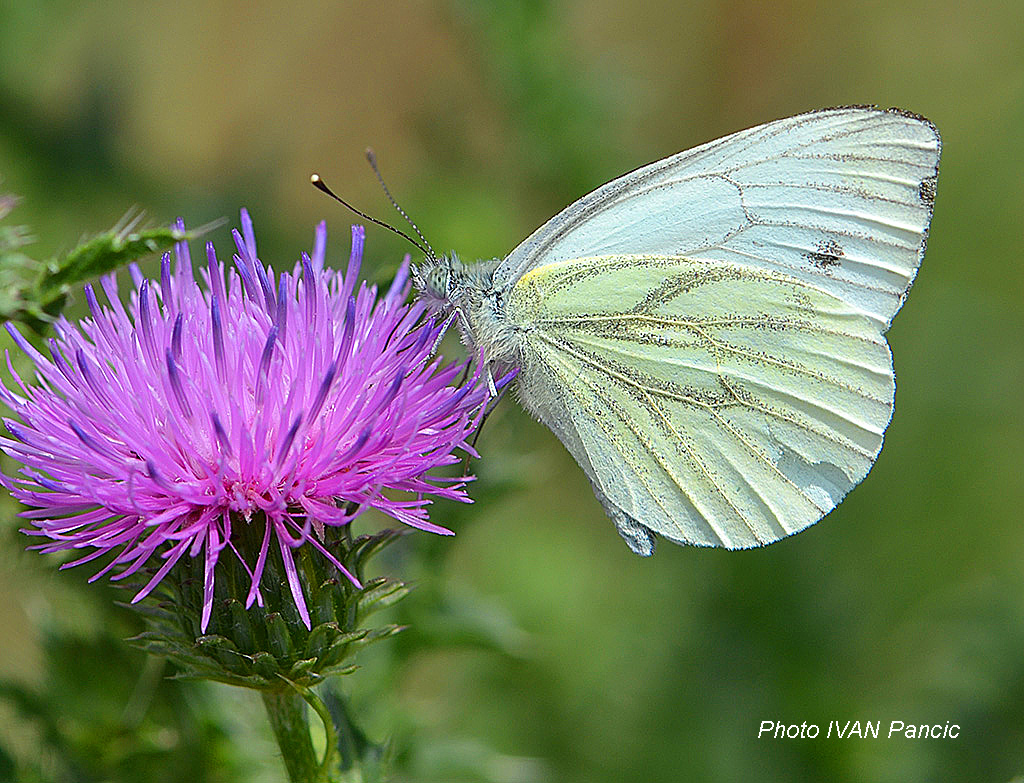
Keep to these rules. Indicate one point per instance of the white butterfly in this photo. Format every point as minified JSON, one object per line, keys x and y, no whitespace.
{"x":705,"y":334}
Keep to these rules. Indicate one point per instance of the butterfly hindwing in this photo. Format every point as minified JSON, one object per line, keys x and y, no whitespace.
{"x":712,"y":403}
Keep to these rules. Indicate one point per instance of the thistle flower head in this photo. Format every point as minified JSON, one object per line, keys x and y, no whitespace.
{"x":291,"y":401}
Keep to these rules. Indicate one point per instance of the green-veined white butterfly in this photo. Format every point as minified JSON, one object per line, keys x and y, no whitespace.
{"x":705,"y":334}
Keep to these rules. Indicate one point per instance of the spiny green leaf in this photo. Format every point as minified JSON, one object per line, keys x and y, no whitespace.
{"x":34,"y":292}
{"x":381,"y":594}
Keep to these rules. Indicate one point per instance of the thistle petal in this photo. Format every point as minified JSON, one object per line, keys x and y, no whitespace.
{"x":165,"y":426}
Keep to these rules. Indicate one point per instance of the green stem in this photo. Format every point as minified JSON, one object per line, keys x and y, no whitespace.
{"x":287,"y":712}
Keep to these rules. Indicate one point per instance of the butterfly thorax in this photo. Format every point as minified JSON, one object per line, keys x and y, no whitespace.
{"x":447,"y":286}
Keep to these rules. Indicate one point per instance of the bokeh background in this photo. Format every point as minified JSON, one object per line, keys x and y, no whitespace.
{"x":540,"y":648}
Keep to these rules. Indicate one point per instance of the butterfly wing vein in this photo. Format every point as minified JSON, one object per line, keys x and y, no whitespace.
{"x":841,"y":198}
{"x":712,"y":403}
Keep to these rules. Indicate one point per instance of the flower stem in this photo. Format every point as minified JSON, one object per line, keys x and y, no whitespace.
{"x":286,"y":710}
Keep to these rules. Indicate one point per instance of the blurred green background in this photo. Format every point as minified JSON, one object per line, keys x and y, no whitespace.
{"x":541,"y":649}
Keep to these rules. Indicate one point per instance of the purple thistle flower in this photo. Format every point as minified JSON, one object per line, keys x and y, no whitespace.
{"x":292,"y":401}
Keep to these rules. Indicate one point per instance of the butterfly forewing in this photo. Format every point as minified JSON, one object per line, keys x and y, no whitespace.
{"x":712,"y":403}
{"x":841,"y":198}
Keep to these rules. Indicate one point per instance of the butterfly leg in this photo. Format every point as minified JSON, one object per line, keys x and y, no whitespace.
{"x":491,"y":388}
{"x":443,"y":332}
{"x":483,"y":420}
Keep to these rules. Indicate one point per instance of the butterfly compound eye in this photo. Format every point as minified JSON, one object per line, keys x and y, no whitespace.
{"x":438,"y":282}
{"x":432,"y":280}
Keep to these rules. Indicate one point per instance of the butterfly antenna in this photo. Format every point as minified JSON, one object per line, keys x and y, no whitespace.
{"x":320,"y":185}
{"x":372,"y":158}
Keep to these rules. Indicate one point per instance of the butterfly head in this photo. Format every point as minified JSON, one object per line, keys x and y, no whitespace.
{"x":448,"y":286}
{"x":438,"y":281}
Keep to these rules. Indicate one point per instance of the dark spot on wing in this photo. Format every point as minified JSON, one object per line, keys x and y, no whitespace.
{"x":826,"y":255}
{"x":926,"y":191}
{"x":910,"y":115}
{"x":848,"y":106}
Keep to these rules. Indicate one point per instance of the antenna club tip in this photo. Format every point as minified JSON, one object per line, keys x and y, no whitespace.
{"x":319,"y":184}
